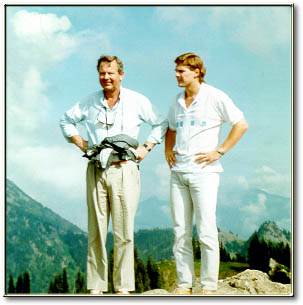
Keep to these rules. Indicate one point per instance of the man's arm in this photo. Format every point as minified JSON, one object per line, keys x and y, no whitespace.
{"x":81,"y":143}
{"x":143,"y":151}
{"x":234,"y":136}
{"x":170,"y":140}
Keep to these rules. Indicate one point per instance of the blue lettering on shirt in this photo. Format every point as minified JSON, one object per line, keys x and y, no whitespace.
{"x":181,"y":124}
{"x":192,"y":123}
{"x":177,"y":124}
{"x":203,"y":123}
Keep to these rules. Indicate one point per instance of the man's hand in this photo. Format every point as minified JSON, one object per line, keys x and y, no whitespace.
{"x":81,"y":143}
{"x":142,"y":153}
{"x":207,"y":157}
{"x":170,"y":156}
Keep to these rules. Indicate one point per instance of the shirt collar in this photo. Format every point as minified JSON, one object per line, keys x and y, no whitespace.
{"x":104,"y":103}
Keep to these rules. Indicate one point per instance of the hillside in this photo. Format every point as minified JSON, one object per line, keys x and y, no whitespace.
{"x":40,"y":241}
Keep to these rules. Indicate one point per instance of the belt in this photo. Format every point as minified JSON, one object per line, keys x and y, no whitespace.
{"x":119,"y":162}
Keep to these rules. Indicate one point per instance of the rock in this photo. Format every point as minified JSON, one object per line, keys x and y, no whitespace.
{"x":278,"y":272}
{"x":252,"y":282}
{"x":156,"y":292}
{"x":248,"y":282}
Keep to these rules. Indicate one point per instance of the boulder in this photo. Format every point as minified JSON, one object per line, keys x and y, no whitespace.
{"x":278,"y":272}
{"x":248,"y":282}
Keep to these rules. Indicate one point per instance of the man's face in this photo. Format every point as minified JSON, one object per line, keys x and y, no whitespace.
{"x":109,"y":77}
{"x":185,"y":76}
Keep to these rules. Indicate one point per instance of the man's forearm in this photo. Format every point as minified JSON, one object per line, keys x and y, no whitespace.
{"x":170,"y":140}
{"x":81,"y":143}
{"x":235,"y":135}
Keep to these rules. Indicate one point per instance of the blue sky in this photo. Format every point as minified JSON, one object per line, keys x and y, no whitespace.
{"x":51,"y":63}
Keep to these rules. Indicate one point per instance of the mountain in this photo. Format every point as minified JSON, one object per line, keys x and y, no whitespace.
{"x":243,"y":211}
{"x":239,"y":211}
{"x":270,"y":231}
{"x":153,"y":213}
{"x":40,"y":241}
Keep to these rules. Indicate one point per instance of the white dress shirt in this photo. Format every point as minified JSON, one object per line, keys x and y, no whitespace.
{"x":131,"y":110}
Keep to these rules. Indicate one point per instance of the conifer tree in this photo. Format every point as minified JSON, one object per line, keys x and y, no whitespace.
{"x":141,"y":277}
{"x":64,"y":281}
{"x":19,"y":284}
{"x":51,"y":287}
{"x":26,"y":282}
{"x":11,"y":285}
{"x":153,"y":273}
{"x":110,"y":271}
{"x":80,"y":283}
{"x":224,"y":255}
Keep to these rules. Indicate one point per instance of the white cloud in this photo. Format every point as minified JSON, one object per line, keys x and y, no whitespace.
{"x":60,"y":168}
{"x":37,"y":43}
{"x":260,"y":29}
{"x":257,"y":208}
{"x":162,"y":181}
{"x":269,"y":180}
{"x":31,"y":24}
{"x":242,"y":181}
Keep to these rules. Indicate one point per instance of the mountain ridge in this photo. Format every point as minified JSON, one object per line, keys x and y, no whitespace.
{"x":42,"y":242}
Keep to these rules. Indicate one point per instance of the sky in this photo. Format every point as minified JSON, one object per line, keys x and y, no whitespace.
{"x":51,"y":55}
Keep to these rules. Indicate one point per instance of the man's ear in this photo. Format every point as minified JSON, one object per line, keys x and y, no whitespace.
{"x":121,"y":75}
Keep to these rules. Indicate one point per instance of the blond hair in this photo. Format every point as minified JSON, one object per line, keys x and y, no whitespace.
{"x":194,"y":62}
{"x":108,"y":58}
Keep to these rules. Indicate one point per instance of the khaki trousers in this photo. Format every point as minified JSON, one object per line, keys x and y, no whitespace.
{"x":114,"y":191}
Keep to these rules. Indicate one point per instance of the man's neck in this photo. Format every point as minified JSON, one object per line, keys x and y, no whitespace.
{"x":112,"y":97}
{"x":190,"y":93}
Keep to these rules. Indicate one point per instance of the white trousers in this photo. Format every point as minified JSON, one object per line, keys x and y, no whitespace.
{"x":195,"y":194}
{"x":114,"y":191}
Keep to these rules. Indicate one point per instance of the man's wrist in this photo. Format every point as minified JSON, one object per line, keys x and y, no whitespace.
{"x":147,"y":147}
{"x":221,"y":151}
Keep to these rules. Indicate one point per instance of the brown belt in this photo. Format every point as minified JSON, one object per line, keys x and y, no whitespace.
{"x":119,"y":162}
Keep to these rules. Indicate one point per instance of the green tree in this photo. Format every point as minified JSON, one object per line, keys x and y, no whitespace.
{"x":196,"y":249}
{"x":153,"y":273}
{"x":141,"y":276}
{"x":258,"y":254}
{"x":26,"y":282}
{"x":51,"y":287}
{"x":11,"y":285}
{"x":224,"y":255}
{"x":110,"y":271}
{"x":19,"y":284}
{"x":64,"y":281}
{"x":59,"y":284}
{"x":80,"y":283}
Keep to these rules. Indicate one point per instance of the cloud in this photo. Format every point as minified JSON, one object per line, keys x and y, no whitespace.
{"x":257,"y":208}
{"x":269,"y":180}
{"x":260,"y":29}
{"x":161,"y":180}
{"x":59,"y":168}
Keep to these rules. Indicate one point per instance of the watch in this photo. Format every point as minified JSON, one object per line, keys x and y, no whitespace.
{"x":147,"y":147}
{"x":220,"y":151}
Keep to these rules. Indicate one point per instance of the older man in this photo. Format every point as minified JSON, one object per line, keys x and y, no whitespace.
{"x":113,"y":181}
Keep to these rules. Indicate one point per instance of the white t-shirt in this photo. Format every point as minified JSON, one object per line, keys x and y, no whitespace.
{"x":198,"y":127}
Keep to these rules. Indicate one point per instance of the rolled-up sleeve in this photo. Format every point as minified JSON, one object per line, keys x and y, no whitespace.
{"x":150,"y":115}
{"x":70,"y":119}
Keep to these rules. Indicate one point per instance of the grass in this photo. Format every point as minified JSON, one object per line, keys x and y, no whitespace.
{"x":169,"y":274}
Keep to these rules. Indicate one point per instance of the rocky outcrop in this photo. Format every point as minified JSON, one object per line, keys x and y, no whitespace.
{"x":248,"y":282}
{"x":278,"y":272}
